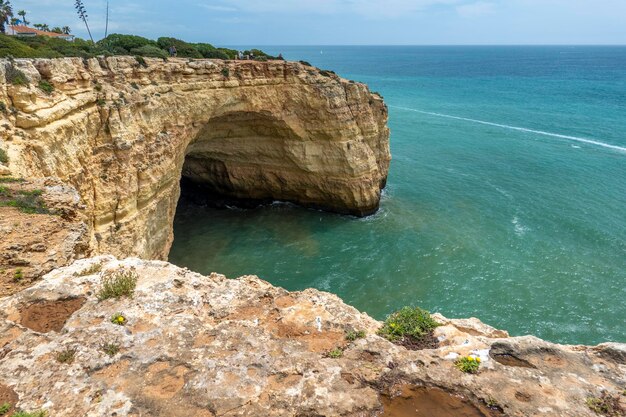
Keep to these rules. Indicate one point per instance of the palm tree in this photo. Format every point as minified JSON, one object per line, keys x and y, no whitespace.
{"x":82,"y":14}
{"x":14,"y":21}
{"x":22,"y":14}
{"x":6,"y":11}
{"x":57,"y":29}
{"x":66,"y":30}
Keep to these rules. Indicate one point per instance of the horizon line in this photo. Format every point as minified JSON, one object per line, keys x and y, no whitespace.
{"x":440,"y":44}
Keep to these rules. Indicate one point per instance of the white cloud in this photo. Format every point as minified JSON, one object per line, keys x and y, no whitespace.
{"x":218,"y":8}
{"x":367,"y":8}
{"x":480,"y":8}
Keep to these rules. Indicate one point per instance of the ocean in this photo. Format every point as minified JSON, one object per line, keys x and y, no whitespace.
{"x":506,"y":198}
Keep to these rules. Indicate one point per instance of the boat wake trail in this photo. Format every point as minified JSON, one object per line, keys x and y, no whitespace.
{"x":520,"y":129}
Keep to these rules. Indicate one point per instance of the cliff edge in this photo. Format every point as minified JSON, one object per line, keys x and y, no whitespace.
{"x":190,"y":345}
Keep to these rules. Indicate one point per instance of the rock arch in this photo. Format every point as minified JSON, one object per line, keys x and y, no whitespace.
{"x":123,"y":134}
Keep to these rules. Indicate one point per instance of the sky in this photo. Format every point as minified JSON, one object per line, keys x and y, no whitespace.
{"x":347,"y":22}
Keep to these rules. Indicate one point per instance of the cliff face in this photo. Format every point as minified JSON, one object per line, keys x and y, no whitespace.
{"x":123,"y":132}
{"x":209,"y":346}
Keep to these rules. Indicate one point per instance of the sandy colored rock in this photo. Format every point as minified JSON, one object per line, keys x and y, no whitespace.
{"x":211,"y":346}
{"x":121,"y":135}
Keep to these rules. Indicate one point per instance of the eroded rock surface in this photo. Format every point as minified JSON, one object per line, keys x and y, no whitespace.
{"x":122,"y":132}
{"x":209,"y":346}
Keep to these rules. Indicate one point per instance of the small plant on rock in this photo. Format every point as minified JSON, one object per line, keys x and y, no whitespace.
{"x":335,"y":353}
{"x":18,"y":275}
{"x":46,"y":87}
{"x":40,"y":413}
{"x":606,"y":405}
{"x":352,"y":335}
{"x":411,"y":327}
{"x":4,"y":408}
{"x":225,"y":72}
{"x":119,"y":284}
{"x":468,"y":364}
{"x":93,"y":269}
{"x":119,"y":319}
{"x":134,"y":85}
{"x":16,"y":76}
{"x":66,"y":356}
{"x":4,"y":158}
{"x":110,"y":349}
{"x":141,"y":61}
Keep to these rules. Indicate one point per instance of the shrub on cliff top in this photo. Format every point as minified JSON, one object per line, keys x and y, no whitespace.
{"x":150,"y":51}
{"x":183,"y":49}
{"x":125,"y":42}
{"x":4,"y":158}
{"x":410,"y":322}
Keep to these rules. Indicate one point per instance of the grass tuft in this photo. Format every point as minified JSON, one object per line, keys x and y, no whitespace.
{"x":66,"y":356}
{"x":353,"y":335}
{"x":110,"y":349}
{"x":40,"y":413}
{"x":119,"y":284}
{"x":4,"y":158}
{"x":606,"y":405}
{"x":90,"y":270}
{"x":46,"y":87}
{"x":15,"y":76}
{"x":335,"y":353}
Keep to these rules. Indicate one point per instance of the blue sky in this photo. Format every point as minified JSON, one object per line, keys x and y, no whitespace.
{"x":348,"y":22}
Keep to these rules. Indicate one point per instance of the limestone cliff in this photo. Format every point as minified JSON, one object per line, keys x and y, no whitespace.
{"x":193,"y":345}
{"x":122,"y":132}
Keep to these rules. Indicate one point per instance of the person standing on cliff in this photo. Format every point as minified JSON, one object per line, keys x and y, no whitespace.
{"x":173,"y":51}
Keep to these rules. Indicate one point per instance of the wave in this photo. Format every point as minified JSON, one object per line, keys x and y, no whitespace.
{"x":520,"y":129}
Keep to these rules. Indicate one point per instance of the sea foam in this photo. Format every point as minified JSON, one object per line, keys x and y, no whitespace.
{"x":520,"y":129}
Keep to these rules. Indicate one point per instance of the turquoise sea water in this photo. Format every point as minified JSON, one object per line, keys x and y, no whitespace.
{"x":506,"y":197}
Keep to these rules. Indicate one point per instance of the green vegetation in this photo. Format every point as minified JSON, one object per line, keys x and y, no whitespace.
{"x":226,"y":72}
{"x":353,"y":335}
{"x":468,"y":364}
{"x":66,"y":356}
{"x":15,"y":76}
{"x":93,"y":269}
{"x":110,"y":349}
{"x":18,"y":275}
{"x":4,"y":408}
{"x":606,"y":405}
{"x":335,"y":353}
{"x":29,"y":202}
{"x":134,"y":85}
{"x":10,"y":179}
{"x":3,"y":107}
{"x":101,"y":102}
{"x":4,"y":158}
{"x":40,"y":413}
{"x":119,"y":284}
{"x":115,"y":44}
{"x":46,"y":87}
{"x":141,"y":61}
{"x":119,"y":319}
{"x":410,"y":322}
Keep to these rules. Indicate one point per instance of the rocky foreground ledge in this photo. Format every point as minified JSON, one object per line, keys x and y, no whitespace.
{"x":193,"y":345}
